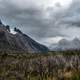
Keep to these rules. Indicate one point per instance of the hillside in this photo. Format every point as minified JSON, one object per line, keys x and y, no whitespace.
{"x":65,"y":44}
{"x":18,"y":41}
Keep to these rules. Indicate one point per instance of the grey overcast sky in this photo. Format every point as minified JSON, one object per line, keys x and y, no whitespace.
{"x":46,"y":21}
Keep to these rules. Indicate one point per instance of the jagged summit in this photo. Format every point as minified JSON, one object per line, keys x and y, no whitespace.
{"x":17,"y":30}
{"x":76,"y":39}
{"x":0,"y":22}
{"x":18,"y":41}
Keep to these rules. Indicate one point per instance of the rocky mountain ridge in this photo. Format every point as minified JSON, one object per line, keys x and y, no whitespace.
{"x":18,"y":41}
{"x":65,"y":44}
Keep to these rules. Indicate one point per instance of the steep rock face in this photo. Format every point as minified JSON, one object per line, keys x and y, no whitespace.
{"x":28,"y":44}
{"x":18,"y":41}
{"x":7,"y":40}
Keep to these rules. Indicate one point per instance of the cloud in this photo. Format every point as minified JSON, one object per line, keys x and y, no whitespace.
{"x":68,"y":20}
{"x":72,"y":15}
{"x":40,"y":20}
{"x":31,"y":19}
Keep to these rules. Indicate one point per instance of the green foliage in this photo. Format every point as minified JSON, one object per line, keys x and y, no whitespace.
{"x":76,"y":76}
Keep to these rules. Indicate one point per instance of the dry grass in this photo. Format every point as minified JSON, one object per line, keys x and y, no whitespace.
{"x":51,"y":66}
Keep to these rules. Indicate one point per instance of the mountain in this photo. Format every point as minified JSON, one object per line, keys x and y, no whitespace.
{"x":67,"y":45}
{"x":18,"y":41}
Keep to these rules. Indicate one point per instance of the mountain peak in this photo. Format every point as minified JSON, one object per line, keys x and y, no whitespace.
{"x":63,"y":42}
{"x":18,"y":42}
{"x":0,"y":22}
{"x":76,"y":39}
{"x":17,"y":30}
{"x":68,"y":45}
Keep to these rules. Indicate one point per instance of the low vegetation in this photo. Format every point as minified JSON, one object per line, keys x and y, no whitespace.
{"x":63,"y":65}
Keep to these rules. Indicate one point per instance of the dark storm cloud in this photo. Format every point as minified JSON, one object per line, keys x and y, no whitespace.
{"x":34,"y":21}
{"x":72,"y":15}
{"x":67,"y":20}
{"x":31,"y":20}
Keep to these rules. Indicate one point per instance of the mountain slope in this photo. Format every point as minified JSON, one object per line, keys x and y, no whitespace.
{"x":67,"y":45}
{"x":18,"y":41}
{"x":28,"y":44}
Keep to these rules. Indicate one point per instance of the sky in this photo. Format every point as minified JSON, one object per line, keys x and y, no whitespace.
{"x":46,"y":21}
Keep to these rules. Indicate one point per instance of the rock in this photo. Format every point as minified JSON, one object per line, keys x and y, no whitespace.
{"x":18,"y":41}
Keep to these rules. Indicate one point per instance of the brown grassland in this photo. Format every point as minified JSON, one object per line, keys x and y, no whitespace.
{"x":64,"y":65}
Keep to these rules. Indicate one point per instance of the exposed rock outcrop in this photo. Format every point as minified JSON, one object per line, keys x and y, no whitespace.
{"x":18,"y":41}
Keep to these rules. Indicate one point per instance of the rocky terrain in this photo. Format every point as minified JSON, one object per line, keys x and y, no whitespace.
{"x":19,"y":41}
{"x":65,"y":44}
